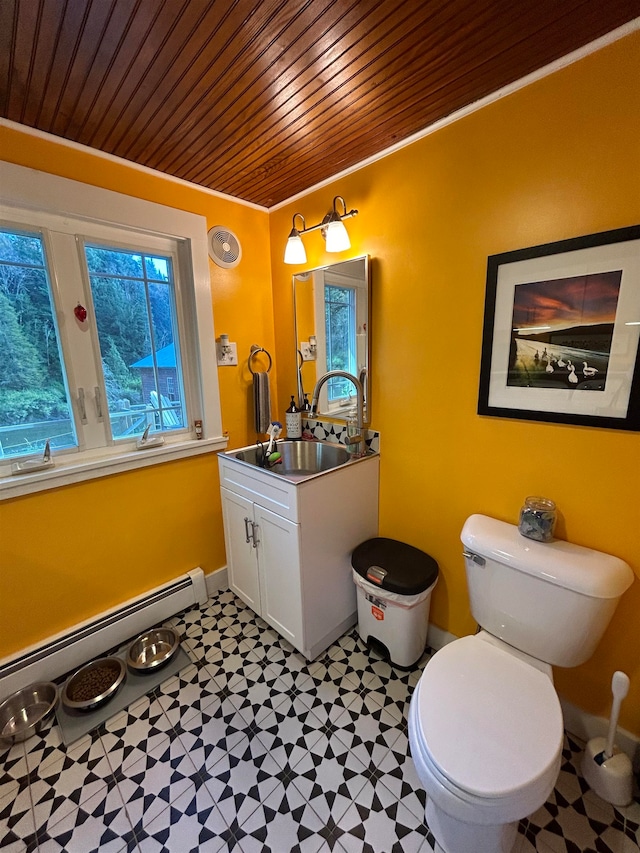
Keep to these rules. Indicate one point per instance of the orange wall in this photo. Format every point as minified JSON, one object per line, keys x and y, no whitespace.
{"x":556,"y":160}
{"x":70,"y":553}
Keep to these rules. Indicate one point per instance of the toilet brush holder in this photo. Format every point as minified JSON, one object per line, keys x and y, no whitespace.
{"x":606,"y":769}
{"x":610,"y":778}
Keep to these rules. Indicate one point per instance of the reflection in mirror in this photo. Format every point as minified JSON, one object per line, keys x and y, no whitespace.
{"x":332,"y":316}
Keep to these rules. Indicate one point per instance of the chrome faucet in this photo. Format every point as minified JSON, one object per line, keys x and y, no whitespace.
{"x":350,"y":439}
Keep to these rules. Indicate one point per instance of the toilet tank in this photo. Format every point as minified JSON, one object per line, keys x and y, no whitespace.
{"x":552,"y":600}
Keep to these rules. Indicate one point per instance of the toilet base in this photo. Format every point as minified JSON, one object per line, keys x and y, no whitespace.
{"x":454,"y":836}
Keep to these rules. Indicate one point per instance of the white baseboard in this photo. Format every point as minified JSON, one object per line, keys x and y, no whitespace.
{"x":217,"y":581}
{"x":437,"y":638}
{"x":577,"y":722}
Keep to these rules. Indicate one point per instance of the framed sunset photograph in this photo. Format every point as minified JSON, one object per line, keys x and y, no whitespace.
{"x":561,"y":332}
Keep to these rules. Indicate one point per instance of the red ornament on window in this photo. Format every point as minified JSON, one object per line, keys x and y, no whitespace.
{"x":81,"y":313}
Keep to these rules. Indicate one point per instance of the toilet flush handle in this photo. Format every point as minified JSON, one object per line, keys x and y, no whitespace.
{"x":476,"y":558}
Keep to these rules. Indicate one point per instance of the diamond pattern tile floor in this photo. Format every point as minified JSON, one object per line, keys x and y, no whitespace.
{"x":252,"y":749}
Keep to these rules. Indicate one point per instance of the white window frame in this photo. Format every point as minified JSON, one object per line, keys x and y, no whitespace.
{"x":322,"y":278}
{"x":45,"y":203}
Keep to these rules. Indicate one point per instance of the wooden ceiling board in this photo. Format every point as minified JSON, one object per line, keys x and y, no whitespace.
{"x":314,"y":91}
{"x":178,"y":88}
{"x":262,"y":99}
{"x":319,"y":114}
{"x":215,"y":102}
{"x":184,"y":86}
{"x":376,"y":98}
{"x":134,"y":76}
{"x":245,"y":107}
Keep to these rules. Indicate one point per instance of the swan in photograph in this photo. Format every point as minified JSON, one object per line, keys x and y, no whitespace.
{"x":588,"y":371}
{"x":549,"y":367}
{"x":561,"y":363}
{"x":572,"y":374}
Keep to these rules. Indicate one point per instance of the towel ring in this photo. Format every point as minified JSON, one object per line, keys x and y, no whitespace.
{"x":254,"y":351}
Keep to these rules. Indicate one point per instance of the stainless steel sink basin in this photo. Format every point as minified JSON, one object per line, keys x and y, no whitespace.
{"x":299,"y":458}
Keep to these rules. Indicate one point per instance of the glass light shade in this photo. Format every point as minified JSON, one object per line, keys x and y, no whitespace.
{"x":337,"y":237}
{"x":294,"y":252}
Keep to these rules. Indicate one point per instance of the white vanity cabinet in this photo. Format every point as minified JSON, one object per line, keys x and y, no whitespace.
{"x":289,"y":545}
{"x":264,"y":563}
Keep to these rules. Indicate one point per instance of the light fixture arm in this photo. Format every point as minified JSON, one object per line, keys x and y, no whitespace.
{"x":331,"y":216}
{"x":346,"y":213}
{"x":304,"y":224}
{"x":333,"y":231}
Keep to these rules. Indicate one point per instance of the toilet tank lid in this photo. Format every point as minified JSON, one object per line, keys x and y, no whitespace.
{"x":564,"y":564}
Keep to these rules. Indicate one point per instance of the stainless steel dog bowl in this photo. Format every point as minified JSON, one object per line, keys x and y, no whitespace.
{"x":23,"y":713}
{"x":153,"y":649}
{"x":94,"y":684}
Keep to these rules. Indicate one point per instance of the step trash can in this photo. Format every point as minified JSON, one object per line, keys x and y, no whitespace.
{"x":394,"y":584}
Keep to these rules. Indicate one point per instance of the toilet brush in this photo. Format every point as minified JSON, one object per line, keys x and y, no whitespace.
{"x":606,"y":769}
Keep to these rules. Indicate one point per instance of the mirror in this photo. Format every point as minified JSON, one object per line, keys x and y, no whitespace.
{"x":332,"y":332}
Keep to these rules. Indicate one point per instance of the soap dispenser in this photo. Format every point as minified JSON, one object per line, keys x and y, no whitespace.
{"x":293,"y":420}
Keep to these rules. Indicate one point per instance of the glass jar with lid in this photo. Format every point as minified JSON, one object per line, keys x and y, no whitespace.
{"x":538,"y":519}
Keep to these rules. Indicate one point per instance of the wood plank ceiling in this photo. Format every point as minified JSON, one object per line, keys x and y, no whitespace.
{"x":262,"y":99}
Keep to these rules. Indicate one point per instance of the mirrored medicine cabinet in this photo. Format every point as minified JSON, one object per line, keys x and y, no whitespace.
{"x":332,"y":317}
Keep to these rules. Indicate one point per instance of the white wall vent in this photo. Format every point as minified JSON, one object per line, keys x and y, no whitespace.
{"x":224,"y":247}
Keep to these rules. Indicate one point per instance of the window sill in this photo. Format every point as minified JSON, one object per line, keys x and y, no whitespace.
{"x":70,"y":470}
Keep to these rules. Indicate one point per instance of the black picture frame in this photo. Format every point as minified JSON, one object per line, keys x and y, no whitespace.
{"x":562,"y":330}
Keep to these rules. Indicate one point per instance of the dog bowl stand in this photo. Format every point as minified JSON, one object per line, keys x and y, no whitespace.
{"x":74,"y":724}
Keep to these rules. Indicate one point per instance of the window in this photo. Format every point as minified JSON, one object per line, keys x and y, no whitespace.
{"x":341,"y":315}
{"x":134,"y":302}
{"x":105,"y":331}
{"x":340,"y":326}
{"x":34,"y":399}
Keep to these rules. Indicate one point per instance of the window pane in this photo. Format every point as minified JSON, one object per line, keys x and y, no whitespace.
{"x":21,"y":248}
{"x":114,"y":261}
{"x":157,"y":269}
{"x":134,"y":301}
{"x":34,"y":401}
{"x":339,"y":305}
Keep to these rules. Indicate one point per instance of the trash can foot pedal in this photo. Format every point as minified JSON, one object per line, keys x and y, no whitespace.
{"x":381,"y":651}
{"x":378,"y":648}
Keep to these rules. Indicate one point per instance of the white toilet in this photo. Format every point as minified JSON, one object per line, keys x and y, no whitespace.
{"x":485,"y":724}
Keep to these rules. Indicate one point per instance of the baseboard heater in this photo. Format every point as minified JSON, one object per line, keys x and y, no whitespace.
{"x":69,"y":649}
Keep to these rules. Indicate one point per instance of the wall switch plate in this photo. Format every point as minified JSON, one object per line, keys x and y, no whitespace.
{"x":228,"y":358}
{"x":307,"y":352}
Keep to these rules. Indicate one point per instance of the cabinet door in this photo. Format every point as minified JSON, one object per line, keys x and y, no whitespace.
{"x":242,"y":562}
{"x":280,"y":576}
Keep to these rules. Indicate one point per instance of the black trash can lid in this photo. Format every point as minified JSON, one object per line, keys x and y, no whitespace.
{"x":394,"y":566}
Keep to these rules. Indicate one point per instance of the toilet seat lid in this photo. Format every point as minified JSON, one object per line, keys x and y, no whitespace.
{"x":491,"y":722}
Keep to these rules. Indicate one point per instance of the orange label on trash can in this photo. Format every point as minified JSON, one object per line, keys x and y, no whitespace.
{"x":379,"y":614}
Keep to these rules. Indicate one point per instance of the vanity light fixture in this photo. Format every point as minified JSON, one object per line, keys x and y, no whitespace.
{"x":333,"y":230}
